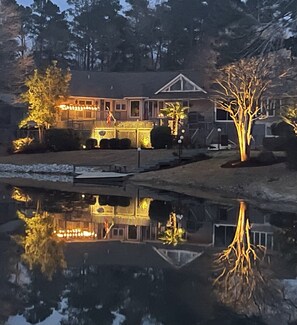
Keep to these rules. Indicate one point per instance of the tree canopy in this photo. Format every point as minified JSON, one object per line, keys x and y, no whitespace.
{"x":241,"y":86}
{"x":44,"y":91}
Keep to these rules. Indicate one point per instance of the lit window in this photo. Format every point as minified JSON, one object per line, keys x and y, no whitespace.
{"x":135,"y":108}
{"x":64,"y":115}
{"x":80,"y":114}
{"x":90,"y":114}
{"x":107,"y":106}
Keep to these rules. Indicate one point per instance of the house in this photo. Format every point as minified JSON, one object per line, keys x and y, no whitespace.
{"x":128,"y":104}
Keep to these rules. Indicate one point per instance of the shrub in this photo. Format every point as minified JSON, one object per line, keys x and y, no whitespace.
{"x":62,"y":139}
{"x":35,"y":147}
{"x":20,"y":144}
{"x":291,"y":151}
{"x":266,"y":158}
{"x":113,"y":200}
{"x":275,"y":143}
{"x":161,"y":137}
{"x":114,"y":143}
{"x":91,"y":143}
{"x":125,"y":143}
{"x":104,"y":144}
{"x":28,"y":145}
{"x":282,"y":129}
{"x":160,"y":210}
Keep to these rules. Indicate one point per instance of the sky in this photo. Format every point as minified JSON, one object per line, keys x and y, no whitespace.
{"x":61,"y":3}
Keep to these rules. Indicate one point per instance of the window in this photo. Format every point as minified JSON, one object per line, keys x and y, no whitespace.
{"x":90,"y":114}
{"x":120,"y":106}
{"x":132,"y":232}
{"x":270,"y":106}
{"x":221,"y":115}
{"x":82,"y":102}
{"x":64,"y":116}
{"x":150,"y":109}
{"x":89,"y":102}
{"x":118,"y":232}
{"x":180,"y":84}
{"x":80,"y":114}
{"x":262,"y":238}
{"x":135,"y":108}
{"x":268,"y":132}
{"x":107,"y":106}
{"x":101,"y":104}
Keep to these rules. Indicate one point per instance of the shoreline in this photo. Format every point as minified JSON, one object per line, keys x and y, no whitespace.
{"x":269,"y":187}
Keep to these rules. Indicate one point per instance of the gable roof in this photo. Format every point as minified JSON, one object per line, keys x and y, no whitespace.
{"x":132,"y":84}
{"x":180,"y":84}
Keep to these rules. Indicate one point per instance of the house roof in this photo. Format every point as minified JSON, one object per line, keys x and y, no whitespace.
{"x":125,"y":254}
{"x":131,"y":84}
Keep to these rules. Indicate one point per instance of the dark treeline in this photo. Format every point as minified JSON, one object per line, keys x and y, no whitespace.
{"x":100,"y":35}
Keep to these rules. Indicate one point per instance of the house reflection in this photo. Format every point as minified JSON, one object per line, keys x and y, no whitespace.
{"x":142,"y":217}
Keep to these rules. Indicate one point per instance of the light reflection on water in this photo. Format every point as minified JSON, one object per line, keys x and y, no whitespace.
{"x":147,"y":258}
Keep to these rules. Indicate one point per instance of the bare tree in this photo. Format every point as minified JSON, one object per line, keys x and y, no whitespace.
{"x":241,"y":87}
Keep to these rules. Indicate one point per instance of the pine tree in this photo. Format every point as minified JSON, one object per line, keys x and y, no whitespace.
{"x":50,"y":33}
{"x":9,"y":46}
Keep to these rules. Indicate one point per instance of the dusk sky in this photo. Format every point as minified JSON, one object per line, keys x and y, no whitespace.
{"x":61,"y":3}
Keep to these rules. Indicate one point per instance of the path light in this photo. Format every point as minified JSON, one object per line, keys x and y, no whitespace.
{"x":179,"y":147}
{"x":219,"y":138}
{"x":138,"y":157}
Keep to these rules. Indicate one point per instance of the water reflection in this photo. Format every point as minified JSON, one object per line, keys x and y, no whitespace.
{"x":243,"y":279}
{"x":118,"y":268}
{"x":173,"y":233}
{"x":41,"y":249}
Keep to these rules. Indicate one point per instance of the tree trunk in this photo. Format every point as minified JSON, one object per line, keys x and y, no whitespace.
{"x":41,"y":134}
{"x":175,"y":129}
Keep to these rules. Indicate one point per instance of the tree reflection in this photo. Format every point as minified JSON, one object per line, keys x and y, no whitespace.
{"x":19,"y":195}
{"x":173,"y":234}
{"x":41,"y":248}
{"x":243,"y":282}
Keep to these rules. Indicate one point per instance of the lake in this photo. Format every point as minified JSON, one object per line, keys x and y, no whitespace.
{"x":136,"y":256}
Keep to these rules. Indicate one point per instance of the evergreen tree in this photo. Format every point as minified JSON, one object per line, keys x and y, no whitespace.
{"x":98,"y":35}
{"x":142,"y":36}
{"x":44,"y":92}
{"x":9,"y":46}
{"x":50,"y":33}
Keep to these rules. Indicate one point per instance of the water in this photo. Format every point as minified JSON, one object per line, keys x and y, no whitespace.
{"x":134,"y":256}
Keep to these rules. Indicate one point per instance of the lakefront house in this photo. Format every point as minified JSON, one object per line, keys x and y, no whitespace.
{"x":128,"y":105}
